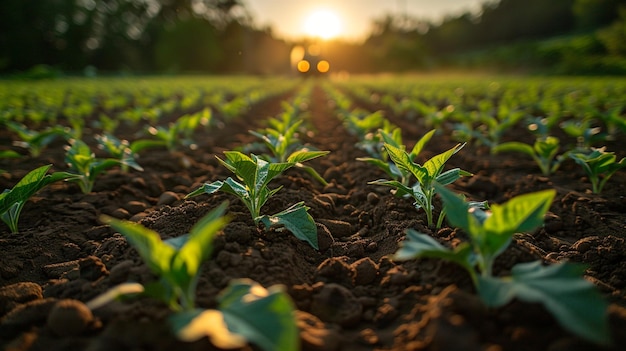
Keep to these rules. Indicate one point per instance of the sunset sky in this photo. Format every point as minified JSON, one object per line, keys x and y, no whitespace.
{"x":352,"y":18}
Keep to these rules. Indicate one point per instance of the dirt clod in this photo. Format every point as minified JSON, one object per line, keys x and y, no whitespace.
{"x":69,"y":317}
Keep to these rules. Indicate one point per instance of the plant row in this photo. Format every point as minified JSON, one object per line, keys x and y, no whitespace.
{"x":248,"y":312}
{"x":575,"y":302}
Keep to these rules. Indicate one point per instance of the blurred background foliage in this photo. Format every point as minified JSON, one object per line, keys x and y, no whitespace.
{"x":44,"y":38}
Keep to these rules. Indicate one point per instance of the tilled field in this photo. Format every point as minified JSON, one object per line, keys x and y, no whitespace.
{"x":350,"y":295}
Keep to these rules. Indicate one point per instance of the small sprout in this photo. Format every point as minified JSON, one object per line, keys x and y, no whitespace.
{"x":544,"y":152}
{"x":177,"y":266}
{"x":256,"y":173}
{"x":599,"y":165}
{"x":121,"y":150}
{"x":395,"y":139}
{"x":35,"y":141}
{"x":574,"y":301}
{"x":12,"y":200}
{"x":282,"y":142}
{"x":84,"y":164}
{"x":427,"y":175}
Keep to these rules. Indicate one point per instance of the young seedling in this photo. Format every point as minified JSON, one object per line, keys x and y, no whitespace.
{"x":582,"y":130}
{"x":492,"y":129}
{"x":177,"y":263}
{"x":282,"y":143}
{"x":360,"y":122}
{"x":247,"y":312}
{"x":395,"y":139}
{"x":256,"y":173}
{"x":84,"y":164}
{"x":365,"y":125}
{"x":423,"y":192}
{"x":121,"y":150}
{"x":599,"y":165}
{"x":544,"y":151}
{"x":36,"y":141}
{"x":573,"y":301}
{"x":180,"y":133}
{"x":12,"y":200}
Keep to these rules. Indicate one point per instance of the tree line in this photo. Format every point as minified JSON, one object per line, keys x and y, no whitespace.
{"x":219,"y":36}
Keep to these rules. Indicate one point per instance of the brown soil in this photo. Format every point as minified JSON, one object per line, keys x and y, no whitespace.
{"x":349,"y":294}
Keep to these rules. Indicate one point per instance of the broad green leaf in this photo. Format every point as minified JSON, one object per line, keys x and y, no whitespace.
{"x":394,"y":138}
{"x":154,"y":252}
{"x":229,"y":186}
{"x":199,"y":245}
{"x":417,"y":148}
{"x":452,"y":175}
{"x":139,"y":145}
{"x":261,"y":175}
{"x":520,"y":214}
{"x":401,"y":158}
{"x":514,"y":146}
{"x":190,"y":326}
{"x":417,"y":244}
{"x":276,"y":168}
{"x":305,"y":155}
{"x":12,"y":201}
{"x":434,"y":165}
{"x":573,"y":301}
{"x":207,"y":188}
{"x":9,"y":154}
{"x":102,"y":165}
{"x":297,"y":220}
{"x":456,"y":208}
{"x":24,"y":189}
{"x":242,"y":165}
{"x":264,"y":317}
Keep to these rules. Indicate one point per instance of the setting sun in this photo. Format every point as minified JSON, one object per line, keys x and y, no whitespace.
{"x":323,"y":24}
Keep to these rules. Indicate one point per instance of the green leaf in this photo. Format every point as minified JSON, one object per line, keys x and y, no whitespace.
{"x":264,"y":317}
{"x":522,"y":213}
{"x":199,"y":246}
{"x":514,"y":146}
{"x":417,"y":244}
{"x":451,"y":176}
{"x":9,"y":154}
{"x":434,"y":166}
{"x":297,"y":220}
{"x":242,"y":165}
{"x":12,"y":201}
{"x":154,"y":252}
{"x":572,"y":300}
{"x":305,"y":155}
{"x":177,"y":268}
{"x":417,"y":148}
{"x":402,"y":159}
{"x":456,"y":208}
{"x":24,"y":189}
{"x":139,"y":145}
